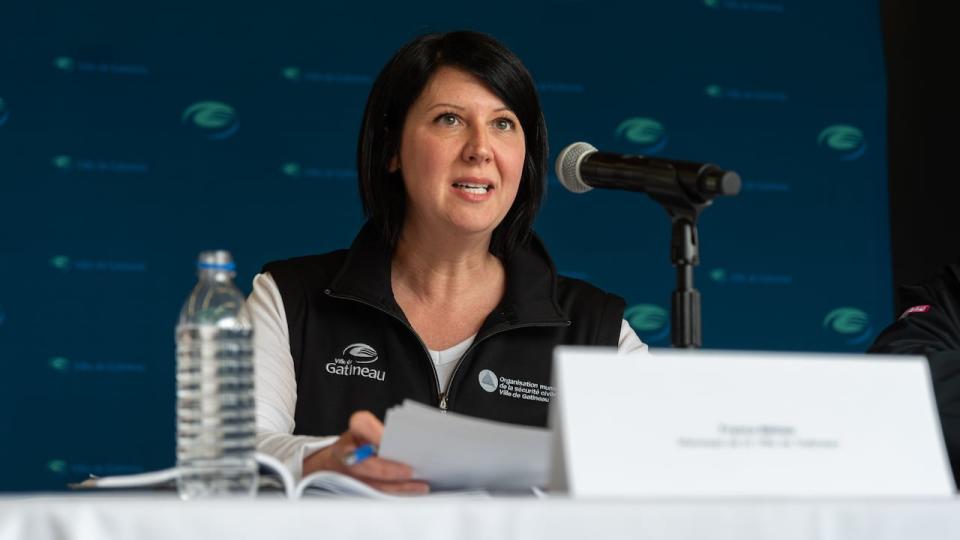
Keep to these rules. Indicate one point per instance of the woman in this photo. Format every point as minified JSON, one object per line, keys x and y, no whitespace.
{"x":445,"y":289}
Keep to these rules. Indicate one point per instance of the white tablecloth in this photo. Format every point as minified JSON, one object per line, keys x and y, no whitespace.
{"x":144,"y":517}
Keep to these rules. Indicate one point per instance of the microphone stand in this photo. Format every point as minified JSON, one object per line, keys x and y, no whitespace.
{"x":685,"y":304}
{"x":684,"y":211}
{"x":684,"y":189}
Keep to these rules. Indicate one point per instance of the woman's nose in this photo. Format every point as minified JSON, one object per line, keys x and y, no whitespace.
{"x":477,"y":149}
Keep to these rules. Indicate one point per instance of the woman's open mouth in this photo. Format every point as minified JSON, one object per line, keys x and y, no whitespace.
{"x":474,"y":188}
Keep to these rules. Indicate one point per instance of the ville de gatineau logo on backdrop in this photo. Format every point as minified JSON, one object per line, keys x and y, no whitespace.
{"x":353,"y":362}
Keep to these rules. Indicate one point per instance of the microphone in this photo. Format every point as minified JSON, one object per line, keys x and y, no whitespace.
{"x":580,"y":168}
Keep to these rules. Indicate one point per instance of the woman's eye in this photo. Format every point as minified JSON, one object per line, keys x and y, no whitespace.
{"x":448,"y":119}
{"x":503,"y":124}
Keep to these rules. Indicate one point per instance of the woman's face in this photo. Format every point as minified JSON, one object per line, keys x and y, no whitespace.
{"x":461,"y":155}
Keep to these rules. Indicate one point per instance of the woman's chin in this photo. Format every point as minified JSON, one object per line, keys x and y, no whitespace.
{"x":472,"y":228}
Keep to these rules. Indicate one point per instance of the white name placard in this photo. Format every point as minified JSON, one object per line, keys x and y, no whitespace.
{"x":715,"y":424}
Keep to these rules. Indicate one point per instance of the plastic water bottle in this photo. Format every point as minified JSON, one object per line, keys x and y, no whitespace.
{"x":215,"y":402}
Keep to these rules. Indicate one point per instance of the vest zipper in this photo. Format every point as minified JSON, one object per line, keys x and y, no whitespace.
{"x":456,"y":369}
{"x":442,"y":395}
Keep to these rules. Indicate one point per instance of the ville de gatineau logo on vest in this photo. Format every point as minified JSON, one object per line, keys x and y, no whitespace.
{"x":353,"y":360}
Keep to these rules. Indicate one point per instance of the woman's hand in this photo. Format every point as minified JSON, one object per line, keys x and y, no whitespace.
{"x":383,"y":474}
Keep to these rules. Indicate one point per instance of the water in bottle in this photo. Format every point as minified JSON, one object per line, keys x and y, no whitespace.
{"x":215,"y":402}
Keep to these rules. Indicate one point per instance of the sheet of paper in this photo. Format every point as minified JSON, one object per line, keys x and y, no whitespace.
{"x":707,"y":424}
{"x":453,"y":451}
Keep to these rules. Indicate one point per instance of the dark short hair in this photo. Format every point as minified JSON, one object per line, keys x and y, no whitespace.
{"x":400,"y":83}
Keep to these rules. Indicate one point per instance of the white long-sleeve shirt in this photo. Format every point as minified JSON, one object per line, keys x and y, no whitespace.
{"x":275,"y":384}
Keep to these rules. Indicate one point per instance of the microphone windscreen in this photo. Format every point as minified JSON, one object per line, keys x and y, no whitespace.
{"x":730,"y":183}
{"x":568,"y":166}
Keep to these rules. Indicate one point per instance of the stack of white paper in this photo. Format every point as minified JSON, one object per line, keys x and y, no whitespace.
{"x":452,"y":451}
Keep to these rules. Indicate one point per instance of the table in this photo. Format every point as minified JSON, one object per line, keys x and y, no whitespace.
{"x":109,"y":516}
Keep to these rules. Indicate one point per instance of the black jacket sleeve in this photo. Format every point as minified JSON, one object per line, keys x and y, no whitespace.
{"x":931,"y":318}
{"x":930,"y":325}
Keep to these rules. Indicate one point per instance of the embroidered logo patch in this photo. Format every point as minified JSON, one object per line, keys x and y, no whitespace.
{"x":916,"y":309}
{"x":488,"y":380}
{"x":360,"y":353}
{"x":352,"y":363}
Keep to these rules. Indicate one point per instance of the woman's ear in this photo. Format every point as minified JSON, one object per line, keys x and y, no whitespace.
{"x":394,"y":164}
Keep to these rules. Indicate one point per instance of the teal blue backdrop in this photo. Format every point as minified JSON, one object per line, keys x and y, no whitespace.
{"x":134,"y":136}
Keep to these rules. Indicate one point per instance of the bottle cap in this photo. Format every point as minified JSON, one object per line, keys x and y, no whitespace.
{"x":216,"y":260}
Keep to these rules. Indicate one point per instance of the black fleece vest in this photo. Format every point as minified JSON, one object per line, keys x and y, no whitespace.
{"x":353,"y":349}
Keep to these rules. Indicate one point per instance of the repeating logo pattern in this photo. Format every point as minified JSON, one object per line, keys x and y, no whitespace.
{"x":200,"y":185}
{"x":60,"y":262}
{"x":647,"y":134}
{"x":296,"y":74}
{"x":64,"y":366}
{"x":68,"y":164}
{"x":65,"y":263}
{"x":716,"y":91}
{"x":59,"y":364}
{"x":850,"y":323}
{"x":62,"y":162}
{"x":650,"y":321}
{"x":846,"y":141}
{"x":64,"y":63}
{"x":68,"y":64}
{"x":297,"y":170}
{"x":215,"y":119}
{"x":727,"y":277}
{"x":61,"y":467}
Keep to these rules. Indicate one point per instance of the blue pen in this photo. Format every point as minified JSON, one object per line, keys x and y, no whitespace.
{"x":361,"y":454}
